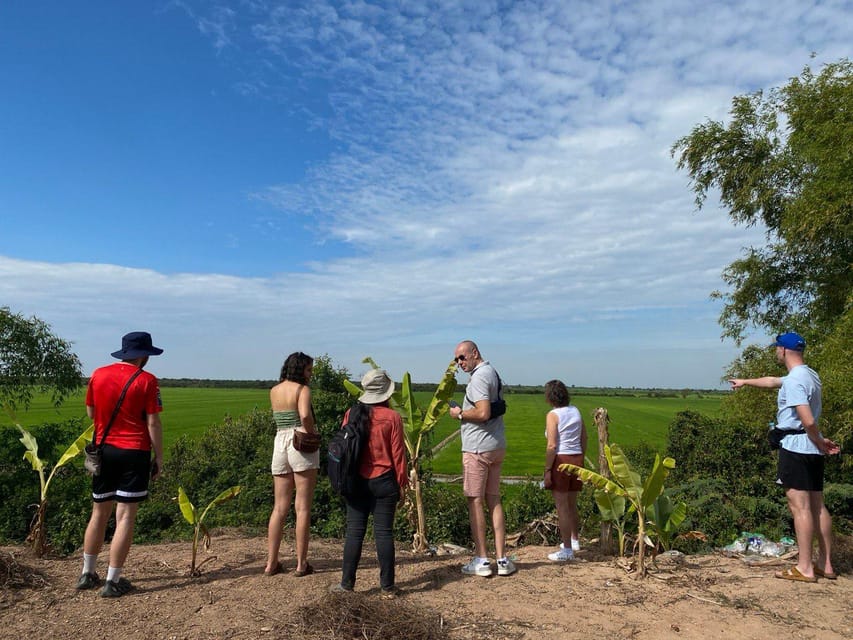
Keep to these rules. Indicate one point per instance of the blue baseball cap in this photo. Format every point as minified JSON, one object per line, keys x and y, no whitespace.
{"x":791,"y":341}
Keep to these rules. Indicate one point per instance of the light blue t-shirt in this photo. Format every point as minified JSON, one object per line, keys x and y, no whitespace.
{"x":800,"y":386}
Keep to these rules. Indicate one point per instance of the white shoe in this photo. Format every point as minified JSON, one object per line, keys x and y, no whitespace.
{"x":505,"y":567}
{"x":563,"y":555}
{"x":477,"y":567}
{"x":576,"y":545}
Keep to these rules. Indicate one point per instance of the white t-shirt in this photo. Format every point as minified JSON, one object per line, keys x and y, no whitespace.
{"x":569,"y":424}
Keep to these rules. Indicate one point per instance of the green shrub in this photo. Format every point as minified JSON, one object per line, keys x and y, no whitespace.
{"x":69,"y":501}
{"x":839,"y":501}
{"x":525,"y":502}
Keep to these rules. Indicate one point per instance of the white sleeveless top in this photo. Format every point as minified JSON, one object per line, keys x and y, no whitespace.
{"x":569,"y":423}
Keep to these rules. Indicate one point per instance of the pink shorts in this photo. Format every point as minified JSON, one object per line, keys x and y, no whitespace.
{"x":481,"y":473}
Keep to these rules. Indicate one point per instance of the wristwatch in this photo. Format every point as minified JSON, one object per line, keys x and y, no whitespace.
{"x":460,"y":415}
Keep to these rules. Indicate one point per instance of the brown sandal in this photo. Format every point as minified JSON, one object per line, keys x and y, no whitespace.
{"x":278,"y":568}
{"x":820,"y":574}
{"x":793,"y":573}
{"x":307,"y":571}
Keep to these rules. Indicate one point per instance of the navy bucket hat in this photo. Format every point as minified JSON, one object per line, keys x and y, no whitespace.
{"x":136,"y":344}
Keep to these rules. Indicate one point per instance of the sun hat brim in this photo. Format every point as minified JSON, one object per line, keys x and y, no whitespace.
{"x":373,"y":395}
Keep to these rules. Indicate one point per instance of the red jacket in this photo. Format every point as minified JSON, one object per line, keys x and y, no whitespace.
{"x":385,"y":449}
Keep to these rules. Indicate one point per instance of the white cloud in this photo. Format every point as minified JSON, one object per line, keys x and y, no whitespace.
{"x":501,"y":173}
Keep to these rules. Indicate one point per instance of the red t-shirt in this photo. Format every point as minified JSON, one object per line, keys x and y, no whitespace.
{"x":386,"y":448}
{"x":130,"y":428}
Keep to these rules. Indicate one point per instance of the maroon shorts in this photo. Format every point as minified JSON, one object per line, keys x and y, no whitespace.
{"x":562,"y":482}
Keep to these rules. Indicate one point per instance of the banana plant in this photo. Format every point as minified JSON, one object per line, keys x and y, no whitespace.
{"x":417,"y":423}
{"x":38,"y":529}
{"x":192,"y":516}
{"x":627,"y":484}
{"x":666,"y":518}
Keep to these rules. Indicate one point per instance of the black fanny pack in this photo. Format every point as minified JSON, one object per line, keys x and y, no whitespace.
{"x":775,"y":435}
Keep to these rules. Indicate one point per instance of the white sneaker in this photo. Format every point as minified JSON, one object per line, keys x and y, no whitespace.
{"x":576,"y":545}
{"x":563,"y":555}
{"x":505,"y":567}
{"x":478,"y":567}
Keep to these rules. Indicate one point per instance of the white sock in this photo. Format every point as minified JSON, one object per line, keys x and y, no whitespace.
{"x":89,"y":562}
{"x":502,"y":559}
{"x":480,"y":560}
{"x":113,"y":574}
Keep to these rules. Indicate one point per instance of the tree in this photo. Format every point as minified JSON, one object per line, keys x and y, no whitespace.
{"x":785,"y":160}
{"x":33,"y":359}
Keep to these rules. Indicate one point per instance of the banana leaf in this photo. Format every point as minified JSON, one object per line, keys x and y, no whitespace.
{"x":32,"y":449}
{"x":222,"y":497}
{"x":621,"y":469}
{"x":654,"y":483}
{"x":595,"y":479}
{"x":186,"y":506}
{"x":611,"y":506}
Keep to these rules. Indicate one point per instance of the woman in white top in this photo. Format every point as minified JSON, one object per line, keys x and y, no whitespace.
{"x":566,"y":434}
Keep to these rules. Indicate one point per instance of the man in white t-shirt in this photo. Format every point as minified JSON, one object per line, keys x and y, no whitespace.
{"x":801,"y":456}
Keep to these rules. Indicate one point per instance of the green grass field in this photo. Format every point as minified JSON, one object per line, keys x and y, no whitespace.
{"x":185,"y":410}
{"x":633,"y":419}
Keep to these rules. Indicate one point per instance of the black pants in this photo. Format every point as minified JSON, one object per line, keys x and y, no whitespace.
{"x":378,"y":496}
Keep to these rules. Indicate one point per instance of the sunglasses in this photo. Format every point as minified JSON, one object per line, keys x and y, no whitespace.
{"x":459,"y":359}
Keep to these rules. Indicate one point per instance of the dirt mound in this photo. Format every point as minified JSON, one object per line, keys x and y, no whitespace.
{"x":703,"y":596}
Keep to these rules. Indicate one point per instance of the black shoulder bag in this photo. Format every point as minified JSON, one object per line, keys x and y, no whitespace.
{"x":94,"y":451}
{"x":497,"y":407}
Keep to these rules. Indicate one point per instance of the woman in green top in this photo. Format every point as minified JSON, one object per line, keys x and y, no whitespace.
{"x":293,"y":471}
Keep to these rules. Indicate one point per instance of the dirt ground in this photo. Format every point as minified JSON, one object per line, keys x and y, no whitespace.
{"x":708,"y":596}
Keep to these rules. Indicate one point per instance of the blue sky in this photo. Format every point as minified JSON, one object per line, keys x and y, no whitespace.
{"x":245,"y":179}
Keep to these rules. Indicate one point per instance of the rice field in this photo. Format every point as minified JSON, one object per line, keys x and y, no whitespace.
{"x":634,"y":419}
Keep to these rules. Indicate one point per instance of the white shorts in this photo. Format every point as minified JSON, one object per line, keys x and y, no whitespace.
{"x":286,"y":459}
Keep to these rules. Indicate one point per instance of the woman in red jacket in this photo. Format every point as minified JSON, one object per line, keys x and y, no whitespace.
{"x":382,"y":479}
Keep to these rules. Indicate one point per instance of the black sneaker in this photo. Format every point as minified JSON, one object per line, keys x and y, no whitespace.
{"x":115,"y":589}
{"x":88,"y":581}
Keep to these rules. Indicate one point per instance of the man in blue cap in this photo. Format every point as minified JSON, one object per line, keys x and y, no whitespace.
{"x":801,"y":456}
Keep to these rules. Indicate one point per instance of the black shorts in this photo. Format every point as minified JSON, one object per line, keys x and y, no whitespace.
{"x":802,"y":471}
{"x":124,"y":475}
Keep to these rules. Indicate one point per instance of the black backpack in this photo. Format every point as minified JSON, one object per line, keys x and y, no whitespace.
{"x":344,"y":453}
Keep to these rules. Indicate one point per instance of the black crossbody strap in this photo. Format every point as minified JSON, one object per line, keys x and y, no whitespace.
{"x":500,"y":386}
{"x":118,"y":406}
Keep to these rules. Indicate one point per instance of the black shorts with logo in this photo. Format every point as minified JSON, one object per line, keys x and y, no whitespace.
{"x":801,"y":471}
{"x":124,"y":475}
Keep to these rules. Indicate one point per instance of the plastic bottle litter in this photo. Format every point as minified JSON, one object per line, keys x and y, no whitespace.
{"x":756,"y":544}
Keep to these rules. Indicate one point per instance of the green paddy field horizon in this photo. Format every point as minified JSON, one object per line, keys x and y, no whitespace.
{"x":644,"y":417}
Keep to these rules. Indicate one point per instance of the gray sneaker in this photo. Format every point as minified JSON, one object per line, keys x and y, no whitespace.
{"x":506,"y":567}
{"x":88,"y":581}
{"x":115,"y":589}
{"x":474,"y":568}
{"x":339,"y":588}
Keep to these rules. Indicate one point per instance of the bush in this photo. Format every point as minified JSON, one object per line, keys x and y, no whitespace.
{"x":839,"y":501}
{"x":69,"y":494}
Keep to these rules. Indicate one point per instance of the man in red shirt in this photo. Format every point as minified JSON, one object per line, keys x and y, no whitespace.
{"x":132,"y":428}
